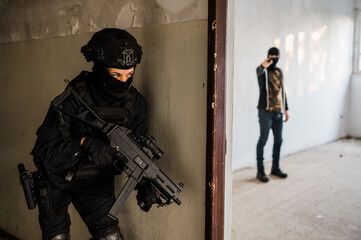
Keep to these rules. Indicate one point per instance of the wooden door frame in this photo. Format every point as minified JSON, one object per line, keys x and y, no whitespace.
{"x":216,"y":120}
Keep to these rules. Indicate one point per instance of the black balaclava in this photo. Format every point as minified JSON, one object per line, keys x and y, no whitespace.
{"x":109,"y":87}
{"x":114,"y":85}
{"x":273,"y":51}
{"x":109,"y":82}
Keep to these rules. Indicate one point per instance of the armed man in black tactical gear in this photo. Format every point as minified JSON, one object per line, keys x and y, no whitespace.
{"x":74,"y":160}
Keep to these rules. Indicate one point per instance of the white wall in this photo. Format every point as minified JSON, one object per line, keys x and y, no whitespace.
{"x":357,"y":4}
{"x":315,"y":39}
{"x":355,"y":109}
{"x":229,"y":119}
{"x":355,"y":86}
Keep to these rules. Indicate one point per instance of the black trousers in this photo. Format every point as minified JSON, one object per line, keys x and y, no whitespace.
{"x":92,"y":198}
{"x":269,"y":120}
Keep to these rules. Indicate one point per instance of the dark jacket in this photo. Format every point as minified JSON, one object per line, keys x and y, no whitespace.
{"x":55,"y":155}
{"x":263,"y":102}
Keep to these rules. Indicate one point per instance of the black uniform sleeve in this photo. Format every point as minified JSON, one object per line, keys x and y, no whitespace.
{"x":51,"y":151}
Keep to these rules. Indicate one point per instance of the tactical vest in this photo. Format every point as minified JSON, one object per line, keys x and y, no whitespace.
{"x":120,"y":115}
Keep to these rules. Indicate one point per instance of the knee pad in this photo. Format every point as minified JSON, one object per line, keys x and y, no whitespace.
{"x":111,"y":234}
{"x":61,"y":236}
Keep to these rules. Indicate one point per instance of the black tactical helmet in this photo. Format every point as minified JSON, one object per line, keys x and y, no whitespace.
{"x":113,"y":47}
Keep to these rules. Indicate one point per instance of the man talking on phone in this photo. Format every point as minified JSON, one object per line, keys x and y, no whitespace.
{"x":272,"y":111}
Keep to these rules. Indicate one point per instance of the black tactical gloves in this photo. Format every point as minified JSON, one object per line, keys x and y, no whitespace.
{"x":100,"y":152}
{"x":147,"y":195}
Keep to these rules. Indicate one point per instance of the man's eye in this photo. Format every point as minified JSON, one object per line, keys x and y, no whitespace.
{"x":116,"y":75}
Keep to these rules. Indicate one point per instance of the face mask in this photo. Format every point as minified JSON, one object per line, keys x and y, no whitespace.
{"x":272,"y":67}
{"x":275,"y":60}
{"x":114,"y":85}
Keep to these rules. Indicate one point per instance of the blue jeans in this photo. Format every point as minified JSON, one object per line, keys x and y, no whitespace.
{"x":269,"y":120}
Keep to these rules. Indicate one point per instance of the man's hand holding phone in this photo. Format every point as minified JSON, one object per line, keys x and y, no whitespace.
{"x":267,"y":62}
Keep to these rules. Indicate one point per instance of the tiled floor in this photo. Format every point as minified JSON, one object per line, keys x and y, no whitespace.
{"x":321,"y":198}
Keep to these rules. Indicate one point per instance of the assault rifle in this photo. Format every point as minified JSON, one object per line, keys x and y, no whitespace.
{"x":141,"y":152}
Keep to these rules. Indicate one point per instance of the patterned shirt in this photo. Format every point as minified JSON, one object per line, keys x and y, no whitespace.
{"x":275,"y":92}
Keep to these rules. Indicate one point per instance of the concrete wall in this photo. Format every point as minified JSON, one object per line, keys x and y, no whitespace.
{"x":172,"y":77}
{"x":26,"y":20}
{"x":315,"y":39}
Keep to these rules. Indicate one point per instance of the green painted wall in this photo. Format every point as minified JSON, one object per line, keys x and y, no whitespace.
{"x":172,"y":77}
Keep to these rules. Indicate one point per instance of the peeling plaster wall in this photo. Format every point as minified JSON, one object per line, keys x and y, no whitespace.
{"x":172,"y":77}
{"x":38,"y":19}
{"x":32,"y":74}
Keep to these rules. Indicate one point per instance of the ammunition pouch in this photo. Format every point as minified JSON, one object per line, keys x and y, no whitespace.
{"x":83,"y":170}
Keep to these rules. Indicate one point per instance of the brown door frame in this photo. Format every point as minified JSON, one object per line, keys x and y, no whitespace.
{"x":216,"y":120}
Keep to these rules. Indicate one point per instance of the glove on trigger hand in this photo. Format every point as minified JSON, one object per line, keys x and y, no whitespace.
{"x":147,"y":195}
{"x":100,"y":152}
